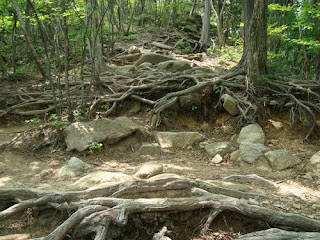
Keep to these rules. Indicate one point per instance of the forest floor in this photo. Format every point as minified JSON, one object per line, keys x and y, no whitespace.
{"x":298,"y":193}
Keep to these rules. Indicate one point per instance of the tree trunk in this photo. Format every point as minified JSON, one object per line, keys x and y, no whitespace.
{"x":205,"y":33}
{"x":3,"y":68}
{"x":257,"y":39}
{"x":218,"y":11}
{"x":254,"y":57}
{"x":28,"y":40}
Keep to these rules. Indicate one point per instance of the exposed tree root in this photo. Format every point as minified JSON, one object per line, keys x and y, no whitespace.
{"x":98,"y":211}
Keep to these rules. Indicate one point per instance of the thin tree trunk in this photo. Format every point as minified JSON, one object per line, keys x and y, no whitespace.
{"x":205,"y":33}
{"x":13,"y":38}
{"x":3,"y":68}
{"x":28,"y":40}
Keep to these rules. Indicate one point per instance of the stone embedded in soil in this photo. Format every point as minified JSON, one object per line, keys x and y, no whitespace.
{"x":80,"y":135}
{"x":177,"y":139}
{"x":150,"y":149}
{"x":152,"y":58}
{"x":217,"y":159}
{"x":219,"y":148}
{"x":281,"y":159}
{"x":174,"y":66}
{"x":99,"y":179}
{"x":313,"y":166}
{"x":165,"y":176}
{"x":262,"y":165}
{"x":74,"y":167}
{"x":252,"y":133}
{"x":250,"y":152}
{"x":148,"y":170}
{"x":230,"y":104}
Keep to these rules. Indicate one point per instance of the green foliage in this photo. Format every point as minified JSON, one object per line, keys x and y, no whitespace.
{"x":58,"y":121}
{"x":56,"y":150}
{"x":217,"y":88}
{"x":33,"y":120}
{"x":94,"y":146}
{"x":193,"y":107}
{"x":130,"y":37}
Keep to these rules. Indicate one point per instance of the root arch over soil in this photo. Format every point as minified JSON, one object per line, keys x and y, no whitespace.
{"x":156,"y":207}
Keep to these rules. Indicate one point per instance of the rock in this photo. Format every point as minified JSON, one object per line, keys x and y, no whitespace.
{"x":174,"y":66}
{"x":150,"y":149}
{"x":235,"y":156}
{"x":230,"y":104}
{"x":161,"y":45}
{"x":313,"y":166}
{"x":80,"y":135}
{"x":250,"y":152}
{"x":148,"y":170}
{"x":165,"y":176}
{"x":100,"y":179}
{"x":177,"y":139}
{"x":277,"y":125}
{"x":252,"y":133}
{"x":219,"y":148}
{"x":281,"y":159}
{"x":74,"y":167}
{"x":217,"y":159}
{"x":135,"y":109}
{"x":152,"y":58}
{"x":133,"y":50}
{"x":262,"y":165}
{"x":253,"y":201}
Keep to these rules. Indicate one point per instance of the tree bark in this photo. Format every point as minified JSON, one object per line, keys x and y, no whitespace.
{"x":28,"y":40}
{"x":3,"y":68}
{"x":205,"y":33}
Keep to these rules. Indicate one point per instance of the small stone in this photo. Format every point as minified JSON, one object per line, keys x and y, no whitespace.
{"x":253,"y":201}
{"x":230,"y":104}
{"x":277,"y":125}
{"x":148,"y":170}
{"x":265,"y":202}
{"x":217,"y":159}
{"x":252,"y":133}
{"x":219,"y":148}
{"x":296,"y":206}
{"x":235,"y":156}
{"x":150,"y":149}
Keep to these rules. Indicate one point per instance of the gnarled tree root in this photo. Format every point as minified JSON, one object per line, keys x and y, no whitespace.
{"x":97,"y":211}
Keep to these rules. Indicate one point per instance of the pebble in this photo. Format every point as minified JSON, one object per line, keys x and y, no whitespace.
{"x":253,"y":201}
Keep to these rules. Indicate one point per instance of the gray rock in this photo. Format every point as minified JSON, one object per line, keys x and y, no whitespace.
{"x":253,"y":201}
{"x":250,"y":152}
{"x":135,"y":109}
{"x":174,"y":66}
{"x":165,"y":176}
{"x":150,"y":149}
{"x":133,"y":50}
{"x":74,"y":167}
{"x":281,"y":159}
{"x":80,"y":135}
{"x":252,"y":133}
{"x":313,"y":166}
{"x":148,"y":170}
{"x":177,"y":139}
{"x":99,"y":179}
{"x":277,"y":125}
{"x":230,"y":104}
{"x":235,"y":156}
{"x":219,"y":148}
{"x":262,"y":165}
{"x":152,"y":58}
{"x":217,"y":159}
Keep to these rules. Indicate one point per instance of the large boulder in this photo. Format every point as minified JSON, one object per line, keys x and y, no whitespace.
{"x":219,"y":148}
{"x":80,"y":135}
{"x":250,"y":152}
{"x":153,"y":58}
{"x":177,"y":139}
{"x":74,"y":167}
{"x":252,"y":133}
{"x":148,"y":170}
{"x":281,"y":159}
{"x":174,"y":66}
{"x":230,"y":104}
{"x":99,"y":179}
{"x":313,"y":166}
